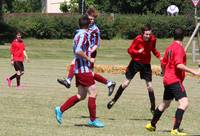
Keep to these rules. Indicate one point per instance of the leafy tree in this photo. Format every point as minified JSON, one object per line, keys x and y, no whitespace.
{"x":9,"y":5}
{"x":130,"y":6}
{"x":103,"y":6}
{"x":1,"y":10}
{"x":74,"y":7}
{"x":27,"y":5}
{"x":142,"y":6}
{"x":64,"y":7}
{"x":184,"y":6}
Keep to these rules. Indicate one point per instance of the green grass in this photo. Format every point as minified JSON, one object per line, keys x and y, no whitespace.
{"x":110,"y":52}
{"x":30,"y":112}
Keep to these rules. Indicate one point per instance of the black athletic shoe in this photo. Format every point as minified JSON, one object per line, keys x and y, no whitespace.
{"x":110,"y":104}
{"x":64,"y":82}
{"x":111,"y":88}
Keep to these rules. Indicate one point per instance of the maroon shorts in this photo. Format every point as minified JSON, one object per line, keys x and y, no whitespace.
{"x":84,"y":79}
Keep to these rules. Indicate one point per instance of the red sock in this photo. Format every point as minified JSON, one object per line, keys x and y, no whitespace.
{"x":92,"y":108}
{"x":100,"y":79}
{"x":71,"y":71}
{"x":69,"y":103}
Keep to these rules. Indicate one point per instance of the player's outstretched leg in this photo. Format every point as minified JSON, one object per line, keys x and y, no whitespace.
{"x":152,"y":101}
{"x":151,"y":96}
{"x":9,"y":79}
{"x":110,"y":84}
{"x":157,"y":114}
{"x":58,"y":114}
{"x":152,"y":126}
{"x":111,"y":87}
{"x":116,"y":97}
{"x":68,"y":104}
{"x":67,"y":82}
{"x":18,"y":77}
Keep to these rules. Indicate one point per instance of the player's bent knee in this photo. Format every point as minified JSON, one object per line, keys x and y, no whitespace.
{"x":93,"y":94}
{"x":72,"y":63}
{"x":183,"y":103}
{"x":166,"y":106}
{"x":125,"y":84}
{"x":150,"y":89}
{"x":18,"y":73}
{"x":81,"y":97}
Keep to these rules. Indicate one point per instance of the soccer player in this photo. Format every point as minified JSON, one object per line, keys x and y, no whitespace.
{"x":94,"y":37}
{"x":174,"y":68}
{"x":83,"y":74}
{"x":140,"y":52}
{"x":17,"y":58}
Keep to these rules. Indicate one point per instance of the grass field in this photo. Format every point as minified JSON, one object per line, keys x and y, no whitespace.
{"x":30,"y":112}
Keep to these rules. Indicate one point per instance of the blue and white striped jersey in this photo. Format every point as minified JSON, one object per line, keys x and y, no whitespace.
{"x":81,"y":43}
{"x":94,"y":35}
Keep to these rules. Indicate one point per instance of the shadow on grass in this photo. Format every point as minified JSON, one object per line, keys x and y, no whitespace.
{"x":84,"y":125}
{"x":81,"y":125}
{"x":87,"y":117}
{"x":168,"y":131}
{"x":136,"y":119}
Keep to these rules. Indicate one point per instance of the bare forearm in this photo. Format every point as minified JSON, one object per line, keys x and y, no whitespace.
{"x":82,"y":54}
{"x":94,"y":48}
{"x":185,"y":68}
{"x":25,"y":54}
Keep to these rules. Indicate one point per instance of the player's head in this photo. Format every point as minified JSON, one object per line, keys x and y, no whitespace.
{"x":18,"y":36}
{"x":178,"y":34}
{"x":91,"y":11}
{"x":92,"y":14}
{"x":146,"y":32}
{"x":84,"y":22}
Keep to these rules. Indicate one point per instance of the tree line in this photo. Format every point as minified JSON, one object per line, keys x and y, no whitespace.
{"x":106,"y":6}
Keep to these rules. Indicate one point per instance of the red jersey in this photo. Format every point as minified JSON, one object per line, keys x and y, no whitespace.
{"x":149,"y":46}
{"x":17,"y":48}
{"x":174,"y":55}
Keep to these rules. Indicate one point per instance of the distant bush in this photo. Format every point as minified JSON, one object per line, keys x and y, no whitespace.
{"x":58,"y":26}
{"x":106,"y":26}
{"x":64,"y":7}
{"x":45,"y":26}
{"x":7,"y":33}
{"x":128,"y":26}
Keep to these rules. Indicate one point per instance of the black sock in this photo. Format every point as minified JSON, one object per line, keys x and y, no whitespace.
{"x":152,"y":99}
{"x":13,"y":76}
{"x":118,"y":93}
{"x":156,"y":117}
{"x":18,"y":80}
{"x":178,"y":118}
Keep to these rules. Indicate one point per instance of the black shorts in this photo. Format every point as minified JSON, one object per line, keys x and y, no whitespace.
{"x":144,"y":69}
{"x":19,"y":66}
{"x":175,"y":90}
